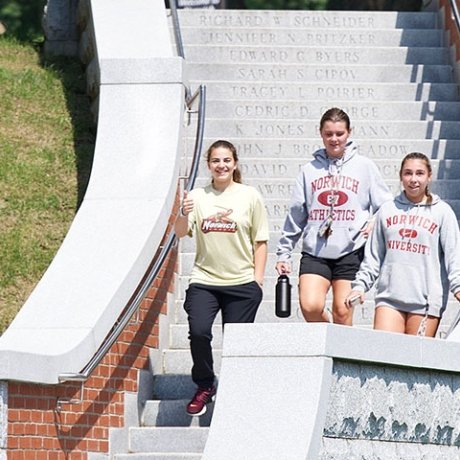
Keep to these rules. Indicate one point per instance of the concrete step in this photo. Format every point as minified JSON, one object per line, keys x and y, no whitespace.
{"x":172,"y":413}
{"x":167,"y":440}
{"x":183,"y":456}
{"x":180,"y":361}
{"x":275,"y":224}
{"x":173,"y":387}
{"x":326,"y":91}
{"x":362,"y":317}
{"x":299,"y":129}
{"x":289,"y":168}
{"x":311,"y":37}
{"x":276,"y":206}
{"x":186,"y":263}
{"x":282,"y":188}
{"x":269,"y":282}
{"x":179,"y":336}
{"x":312,"y":110}
{"x":324,"y":55}
{"x":321,"y":20}
{"x":276,"y":148}
{"x":186,"y":260}
{"x":189,"y":247}
{"x":265,"y":314}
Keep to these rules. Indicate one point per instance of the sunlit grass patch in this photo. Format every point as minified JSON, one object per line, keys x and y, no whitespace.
{"x":46,"y":146}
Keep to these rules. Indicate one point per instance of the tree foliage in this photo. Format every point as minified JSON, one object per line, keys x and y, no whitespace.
{"x":22,"y":18}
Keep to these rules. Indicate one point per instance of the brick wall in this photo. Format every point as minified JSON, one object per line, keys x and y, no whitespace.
{"x":39,"y":430}
{"x":450,"y":25}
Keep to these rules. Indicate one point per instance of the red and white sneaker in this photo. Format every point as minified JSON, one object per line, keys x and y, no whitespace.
{"x":203,"y":396}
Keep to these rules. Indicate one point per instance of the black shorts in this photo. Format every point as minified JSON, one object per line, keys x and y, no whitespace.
{"x":344,"y":268}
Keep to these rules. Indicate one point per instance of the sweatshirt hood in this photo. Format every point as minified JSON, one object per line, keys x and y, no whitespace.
{"x":351,"y":150}
{"x":403,"y":200}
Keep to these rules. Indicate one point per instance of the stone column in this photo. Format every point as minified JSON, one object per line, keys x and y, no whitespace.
{"x":60,"y":27}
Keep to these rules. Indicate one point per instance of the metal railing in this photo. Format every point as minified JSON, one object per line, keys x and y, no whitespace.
{"x":176,"y":26}
{"x":455,"y":13}
{"x":153,"y":271}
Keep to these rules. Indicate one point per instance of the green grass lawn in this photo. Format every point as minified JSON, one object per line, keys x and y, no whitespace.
{"x":46,"y":148}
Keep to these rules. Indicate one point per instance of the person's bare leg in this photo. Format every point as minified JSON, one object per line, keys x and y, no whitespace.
{"x":341,"y":314}
{"x":413,"y":324}
{"x":389,"y":319}
{"x":312,"y":296}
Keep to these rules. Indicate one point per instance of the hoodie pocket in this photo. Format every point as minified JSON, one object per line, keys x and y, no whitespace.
{"x":403,"y":283}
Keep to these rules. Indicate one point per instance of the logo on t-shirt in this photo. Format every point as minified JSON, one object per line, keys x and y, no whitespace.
{"x":219,"y":222}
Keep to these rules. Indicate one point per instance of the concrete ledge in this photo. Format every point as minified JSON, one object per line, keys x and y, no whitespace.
{"x":154,"y":70}
{"x":286,"y":390}
{"x":337,"y":342}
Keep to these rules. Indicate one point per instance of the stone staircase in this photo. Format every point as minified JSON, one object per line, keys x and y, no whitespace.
{"x":269,"y":77}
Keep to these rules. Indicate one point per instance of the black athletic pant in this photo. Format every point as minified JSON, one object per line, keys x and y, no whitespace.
{"x":238,"y":304}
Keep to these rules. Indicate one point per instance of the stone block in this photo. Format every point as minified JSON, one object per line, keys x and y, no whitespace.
{"x":172,"y":413}
{"x":168,"y":439}
{"x":284,"y":37}
{"x":276,"y":149}
{"x":308,"y":19}
{"x":322,"y":74}
{"x":302,"y":55}
{"x":392,"y":404}
{"x":312,"y":110}
{"x":300,"y":129}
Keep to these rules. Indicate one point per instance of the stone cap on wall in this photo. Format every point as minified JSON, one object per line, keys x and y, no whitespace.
{"x":340,"y":342}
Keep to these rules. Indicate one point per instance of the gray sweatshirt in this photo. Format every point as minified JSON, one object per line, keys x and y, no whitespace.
{"x":353,"y":185}
{"x":414,"y":252}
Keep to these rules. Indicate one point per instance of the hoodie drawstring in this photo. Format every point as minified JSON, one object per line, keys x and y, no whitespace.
{"x":334,"y":170}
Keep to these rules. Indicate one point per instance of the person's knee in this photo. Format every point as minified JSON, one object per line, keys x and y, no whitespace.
{"x":200,"y":334}
{"x":311,"y":306}
{"x":342,"y":315}
{"x":312,"y":311}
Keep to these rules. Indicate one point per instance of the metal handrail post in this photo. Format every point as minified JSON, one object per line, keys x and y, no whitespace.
{"x":177,"y":32}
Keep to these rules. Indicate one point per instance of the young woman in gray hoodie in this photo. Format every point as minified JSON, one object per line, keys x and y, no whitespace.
{"x":331,"y":209}
{"x":414,"y":253}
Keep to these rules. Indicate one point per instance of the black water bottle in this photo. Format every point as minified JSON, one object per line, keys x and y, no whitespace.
{"x":283,"y":297}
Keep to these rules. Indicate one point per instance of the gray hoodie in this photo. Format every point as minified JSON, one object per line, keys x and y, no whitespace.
{"x":414,"y":252}
{"x":355,"y":186}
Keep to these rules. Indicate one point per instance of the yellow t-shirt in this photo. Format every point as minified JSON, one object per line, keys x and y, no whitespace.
{"x":226,"y":226}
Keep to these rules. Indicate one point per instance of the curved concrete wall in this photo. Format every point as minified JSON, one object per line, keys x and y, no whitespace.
{"x":127,"y":205}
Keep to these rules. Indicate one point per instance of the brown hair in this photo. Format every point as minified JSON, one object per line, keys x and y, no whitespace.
{"x":231,"y":147}
{"x":334,"y":114}
{"x":426,"y":160}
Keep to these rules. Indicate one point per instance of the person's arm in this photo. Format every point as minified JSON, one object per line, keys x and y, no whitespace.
{"x":379,"y":191}
{"x":374,"y":255}
{"x":181,"y":225}
{"x":283,"y":268}
{"x":260,"y":260}
{"x":449,"y":239}
{"x":294,"y":224}
{"x":367,"y":230}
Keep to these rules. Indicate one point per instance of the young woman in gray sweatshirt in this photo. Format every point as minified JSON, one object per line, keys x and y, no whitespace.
{"x":331,"y":210}
{"x":414,"y":253}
